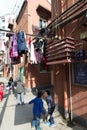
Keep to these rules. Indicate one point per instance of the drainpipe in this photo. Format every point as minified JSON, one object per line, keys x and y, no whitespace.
{"x":70,"y":91}
{"x":66,"y":103}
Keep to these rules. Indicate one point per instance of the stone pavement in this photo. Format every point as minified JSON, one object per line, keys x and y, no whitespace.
{"x":14,"y":117}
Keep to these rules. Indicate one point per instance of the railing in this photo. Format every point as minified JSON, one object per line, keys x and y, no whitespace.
{"x":60,"y":51}
{"x":76,"y":11}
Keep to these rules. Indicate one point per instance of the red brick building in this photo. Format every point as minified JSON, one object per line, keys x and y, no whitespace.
{"x":33,"y":16}
{"x":67,"y":57}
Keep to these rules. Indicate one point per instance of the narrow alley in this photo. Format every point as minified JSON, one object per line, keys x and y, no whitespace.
{"x":14,"y":117}
{"x":43,"y":46}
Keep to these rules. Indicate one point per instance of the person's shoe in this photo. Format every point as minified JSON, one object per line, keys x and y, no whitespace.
{"x":47,"y":123}
{"x":33,"y":128}
{"x":52,"y":125}
{"x":23,"y":103}
{"x":39,"y":129}
{"x":18,"y":104}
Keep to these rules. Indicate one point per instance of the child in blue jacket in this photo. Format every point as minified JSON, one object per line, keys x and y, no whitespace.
{"x":38,"y":109}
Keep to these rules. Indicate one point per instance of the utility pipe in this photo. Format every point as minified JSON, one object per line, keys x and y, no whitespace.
{"x":70,"y":91}
{"x":66,"y":103}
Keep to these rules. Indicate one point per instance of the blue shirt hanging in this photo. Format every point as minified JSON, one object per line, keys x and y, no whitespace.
{"x":22,"y":47}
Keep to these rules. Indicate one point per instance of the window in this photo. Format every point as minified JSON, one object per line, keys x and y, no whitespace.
{"x":43,"y":22}
{"x":3,"y":33}
{"x":3,"y":20}
{"x":3,"y":27}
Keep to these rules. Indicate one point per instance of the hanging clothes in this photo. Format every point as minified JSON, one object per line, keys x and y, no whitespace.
{"x":14,"y":47}
{"x":32,"y":56}
{"x":11,"y":47}
{"x":22,"y":47}
{"x":41,"y":46}
{"x":37,"y":55}
{"x":37,"y":51}
{"x":29,"y":49}
{"x":7,"y":57}
{"x":15,"y":58}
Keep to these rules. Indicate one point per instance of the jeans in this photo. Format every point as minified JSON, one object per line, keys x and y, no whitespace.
{"x":50,"y":112}
{"x":36,"y":122}
{"x":20,"y":98}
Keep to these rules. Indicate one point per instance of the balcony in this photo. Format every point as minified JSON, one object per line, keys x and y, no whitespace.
{"x":60,"y":51}
{"x":76,"y":11}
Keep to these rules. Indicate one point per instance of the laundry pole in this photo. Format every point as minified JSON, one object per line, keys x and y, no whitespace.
{"x":31,"y":35}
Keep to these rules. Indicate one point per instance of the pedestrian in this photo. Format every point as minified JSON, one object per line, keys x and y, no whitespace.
{"x":1,"y":90}
{"x":10,"y":84}
{"x":51,"y":107}
{"x":20,"y":91}
{"x":38,"y":109}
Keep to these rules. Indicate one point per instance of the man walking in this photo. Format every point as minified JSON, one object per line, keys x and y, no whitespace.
{"x":20,"y":90}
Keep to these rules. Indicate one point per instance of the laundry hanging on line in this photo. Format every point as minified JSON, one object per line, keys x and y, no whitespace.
{"x":20,"y":46}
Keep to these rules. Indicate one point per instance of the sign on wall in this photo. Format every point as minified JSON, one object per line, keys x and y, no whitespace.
{"x":80,"y":55}
{"x":80,"y":73}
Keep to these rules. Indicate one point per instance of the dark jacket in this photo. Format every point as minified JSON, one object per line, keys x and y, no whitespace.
{"x":50,"y":102}
{"x":38,"y":108}
{"x":10,"y":81}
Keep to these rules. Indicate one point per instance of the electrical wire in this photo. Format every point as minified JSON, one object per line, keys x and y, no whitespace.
{"x":18,"y":7}
{"x":14,"y":6}
{"x":31,"y":35}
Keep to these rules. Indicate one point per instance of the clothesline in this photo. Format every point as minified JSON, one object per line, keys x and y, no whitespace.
{"x":31,"y":35}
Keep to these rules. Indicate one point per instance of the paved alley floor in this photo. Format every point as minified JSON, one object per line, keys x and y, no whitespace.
{"x":14,"y":117}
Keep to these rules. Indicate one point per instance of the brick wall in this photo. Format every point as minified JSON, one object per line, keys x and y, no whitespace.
{"x":61,"y":77}
{"x":35,"y":78}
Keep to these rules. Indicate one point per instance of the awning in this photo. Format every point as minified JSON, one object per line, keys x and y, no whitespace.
{"x":44,"y":12}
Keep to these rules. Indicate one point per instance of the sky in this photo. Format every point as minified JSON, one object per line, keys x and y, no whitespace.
{"x":10,"y":7}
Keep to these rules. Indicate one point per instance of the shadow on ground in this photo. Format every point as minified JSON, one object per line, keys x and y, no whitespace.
{"x":3,"y":108}
{"x":23,"y":114}
{"x":75,"y":126}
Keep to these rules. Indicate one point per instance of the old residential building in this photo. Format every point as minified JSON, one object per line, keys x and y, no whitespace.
{"x":33,"y":16}
{"x":67,"y":57}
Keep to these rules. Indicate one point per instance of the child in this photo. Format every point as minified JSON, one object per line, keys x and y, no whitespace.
{"x":51,"y":107}
{"x":38,"y":109}
{"x":1,"y":91}
{"x":10,"y":83}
